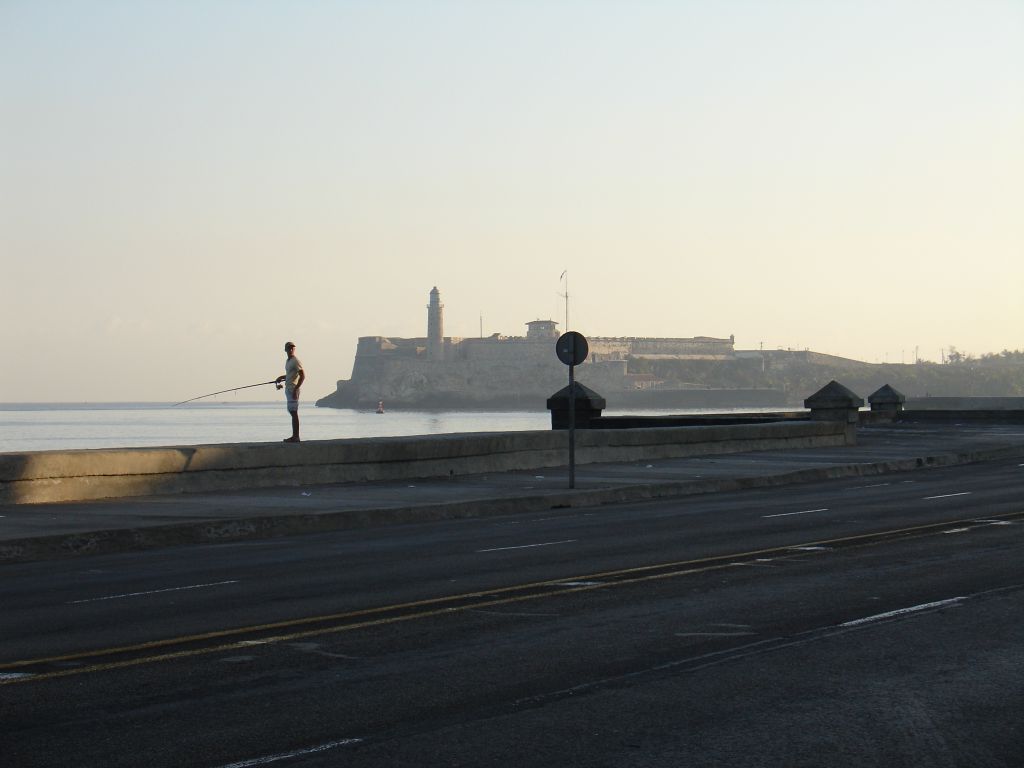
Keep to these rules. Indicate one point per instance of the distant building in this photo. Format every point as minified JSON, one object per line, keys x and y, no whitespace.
{"x":542,"y":330}
{"x":435,"y":326}
{"x":441,"y":370}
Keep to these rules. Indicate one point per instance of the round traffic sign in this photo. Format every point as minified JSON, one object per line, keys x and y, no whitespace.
{"x":572,"y":348}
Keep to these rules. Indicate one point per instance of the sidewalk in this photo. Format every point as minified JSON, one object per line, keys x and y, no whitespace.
{"x":48,"y":531}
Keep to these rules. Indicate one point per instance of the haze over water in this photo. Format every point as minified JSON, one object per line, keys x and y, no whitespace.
{"x":67,"y":426}
{"x":118,"y":425}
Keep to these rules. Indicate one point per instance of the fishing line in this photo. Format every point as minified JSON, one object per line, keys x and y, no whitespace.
{"x":235,"y":389}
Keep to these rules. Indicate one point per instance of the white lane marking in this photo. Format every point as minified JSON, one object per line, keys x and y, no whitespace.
{"x":151,"y":592}
{"x":903,"y":611}
{"x":527,"y":546}
{"x":577,"y":584}
{"x":947,"y":495}
{"x":787,"y":514}
{"x":14,"y":675}
{"x":811,"y":549}
{"x":542,"y":519}
{"x":957,"y":530}
{"x":714,"y":634}
{"x":862,"y":487}
{"x":289,"y":755}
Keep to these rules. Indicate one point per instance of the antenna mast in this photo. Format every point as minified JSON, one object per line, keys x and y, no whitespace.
{"x":565,"y":276}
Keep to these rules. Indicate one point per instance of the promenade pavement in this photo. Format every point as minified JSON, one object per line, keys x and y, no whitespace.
{"x":47,"y":531}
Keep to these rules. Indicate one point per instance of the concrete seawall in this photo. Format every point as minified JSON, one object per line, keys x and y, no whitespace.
{"x":965,"y":404}
{"x":54,"y":476}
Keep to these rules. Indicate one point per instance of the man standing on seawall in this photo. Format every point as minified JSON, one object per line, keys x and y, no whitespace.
{"x":293,"y":377}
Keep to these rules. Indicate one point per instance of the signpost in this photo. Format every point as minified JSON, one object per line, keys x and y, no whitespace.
{"x":572,"y":349}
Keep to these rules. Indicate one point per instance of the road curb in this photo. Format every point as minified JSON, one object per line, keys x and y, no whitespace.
{"x":61,"y":546}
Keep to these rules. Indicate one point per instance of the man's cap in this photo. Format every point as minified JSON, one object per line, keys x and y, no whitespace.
{"x":289,"y":345}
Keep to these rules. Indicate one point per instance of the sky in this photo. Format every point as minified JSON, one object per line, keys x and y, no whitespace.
{"x":186,"y":185}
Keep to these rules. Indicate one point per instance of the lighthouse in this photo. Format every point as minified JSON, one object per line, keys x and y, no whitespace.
{"x":435,"y":326}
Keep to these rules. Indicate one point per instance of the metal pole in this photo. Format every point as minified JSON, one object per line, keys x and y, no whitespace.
{"x":572,"y":428}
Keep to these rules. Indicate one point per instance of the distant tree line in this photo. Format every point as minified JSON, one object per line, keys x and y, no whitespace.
{"x":1006,"y":357}
{"x":999,"y":374}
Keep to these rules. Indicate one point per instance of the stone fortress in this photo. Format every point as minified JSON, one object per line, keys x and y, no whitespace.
{"x":513,"y":372}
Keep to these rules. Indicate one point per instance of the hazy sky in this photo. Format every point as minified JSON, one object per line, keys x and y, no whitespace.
{"x":184,"y":186}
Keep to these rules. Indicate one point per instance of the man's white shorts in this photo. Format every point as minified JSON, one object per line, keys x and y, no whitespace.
{"x":293,"y":402}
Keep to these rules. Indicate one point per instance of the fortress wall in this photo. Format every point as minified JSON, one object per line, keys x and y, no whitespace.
{"x":515,"y":372}
{"x":509,"y":351}
{"x":377,"y":346}
{"x":606,"y":377}
{"x":682,"y":347}
{"x":622,"y":347}
{"x":438,"y":371}
{"x":503,"y":348}
{"x":434,"y":383}
{"x":613,"y":347}
{"x":53,"y":476}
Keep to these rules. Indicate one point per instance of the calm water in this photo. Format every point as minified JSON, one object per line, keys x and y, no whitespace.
{"x":57,"y":426}
{"x":41,"y":427}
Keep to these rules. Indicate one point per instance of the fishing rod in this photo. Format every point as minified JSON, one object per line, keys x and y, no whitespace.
{"x":247,"y":386}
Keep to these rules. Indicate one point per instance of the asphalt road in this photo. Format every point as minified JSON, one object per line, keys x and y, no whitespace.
{"x":850,"y":623}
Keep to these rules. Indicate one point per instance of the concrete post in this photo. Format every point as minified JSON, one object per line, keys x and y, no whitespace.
{"x":834,"y":402}
{"x":887,"y":403}
{"x":589,"y":405}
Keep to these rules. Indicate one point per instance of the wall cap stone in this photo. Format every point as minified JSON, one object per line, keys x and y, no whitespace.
{"x":886,"y":395}
{"x":834,"y":395}
{"x":585,"y":398}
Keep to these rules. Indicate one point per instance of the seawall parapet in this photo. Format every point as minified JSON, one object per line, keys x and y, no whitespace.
{"x":55,"y":476}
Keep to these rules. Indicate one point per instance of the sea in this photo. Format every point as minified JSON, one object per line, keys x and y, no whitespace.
{"x":67,"y":426}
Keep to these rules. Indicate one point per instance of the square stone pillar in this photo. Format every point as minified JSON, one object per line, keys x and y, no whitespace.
{"x":887,"y":403}
{"x":589,"y":405}
{"x":834,"y":402}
